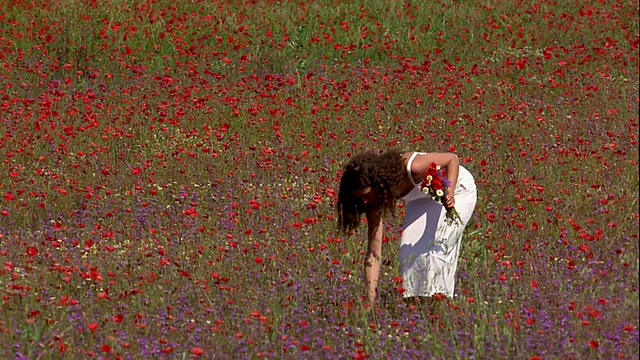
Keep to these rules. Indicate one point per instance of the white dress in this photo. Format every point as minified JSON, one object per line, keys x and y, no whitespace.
{"x":429,"y":246}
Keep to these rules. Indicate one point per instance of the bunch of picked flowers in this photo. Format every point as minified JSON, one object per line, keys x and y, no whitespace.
{"x":436,"y":185}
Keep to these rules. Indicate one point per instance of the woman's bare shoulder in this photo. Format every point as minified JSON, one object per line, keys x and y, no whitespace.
{"x":407,"y":155}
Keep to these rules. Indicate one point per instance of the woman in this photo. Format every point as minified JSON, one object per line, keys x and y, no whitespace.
{"x":372,"y":183}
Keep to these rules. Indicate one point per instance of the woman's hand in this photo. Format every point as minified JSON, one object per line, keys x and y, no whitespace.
{"x":450,"y":201}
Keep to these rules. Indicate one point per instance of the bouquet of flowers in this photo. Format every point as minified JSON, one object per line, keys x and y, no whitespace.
{"x":436,"y":185}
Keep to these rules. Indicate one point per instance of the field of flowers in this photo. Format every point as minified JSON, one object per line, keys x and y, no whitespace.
{"x":169,"y":170}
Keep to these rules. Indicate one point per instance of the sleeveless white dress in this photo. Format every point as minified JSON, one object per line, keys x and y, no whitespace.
{"x":429,"y":246}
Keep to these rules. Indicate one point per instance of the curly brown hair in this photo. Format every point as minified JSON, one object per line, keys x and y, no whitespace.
{"x":383,"y":172}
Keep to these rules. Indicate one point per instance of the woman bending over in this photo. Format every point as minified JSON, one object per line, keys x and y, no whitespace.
{"x":372,"y":183}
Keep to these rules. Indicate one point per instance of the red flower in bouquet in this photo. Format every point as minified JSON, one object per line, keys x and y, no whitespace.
{"x":436,"y":185}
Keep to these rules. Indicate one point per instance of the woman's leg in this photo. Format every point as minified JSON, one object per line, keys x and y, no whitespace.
{"x":416,"y":243}
{"x":449,"y":240}
{"x":429,"y":246}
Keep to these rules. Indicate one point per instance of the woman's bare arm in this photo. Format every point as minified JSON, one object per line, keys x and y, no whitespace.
{"x":448,"y":161}
{"x":374,"y":252}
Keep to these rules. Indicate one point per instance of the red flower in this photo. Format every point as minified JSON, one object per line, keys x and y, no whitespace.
{"x":439,"y":296}
{"x":32,"y":251}
{"x":92,"y":327}
{"x":436,"y":183}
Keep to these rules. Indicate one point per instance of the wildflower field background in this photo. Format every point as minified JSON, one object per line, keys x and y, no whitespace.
{"x":169,"y":170}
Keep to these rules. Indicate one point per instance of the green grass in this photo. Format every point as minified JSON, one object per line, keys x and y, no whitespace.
{"x":176,"y":164}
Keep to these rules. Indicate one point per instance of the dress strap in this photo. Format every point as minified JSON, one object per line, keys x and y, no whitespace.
{"x":413,"y":156}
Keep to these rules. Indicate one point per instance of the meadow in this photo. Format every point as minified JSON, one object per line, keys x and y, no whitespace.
{"x":169,"y":173}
